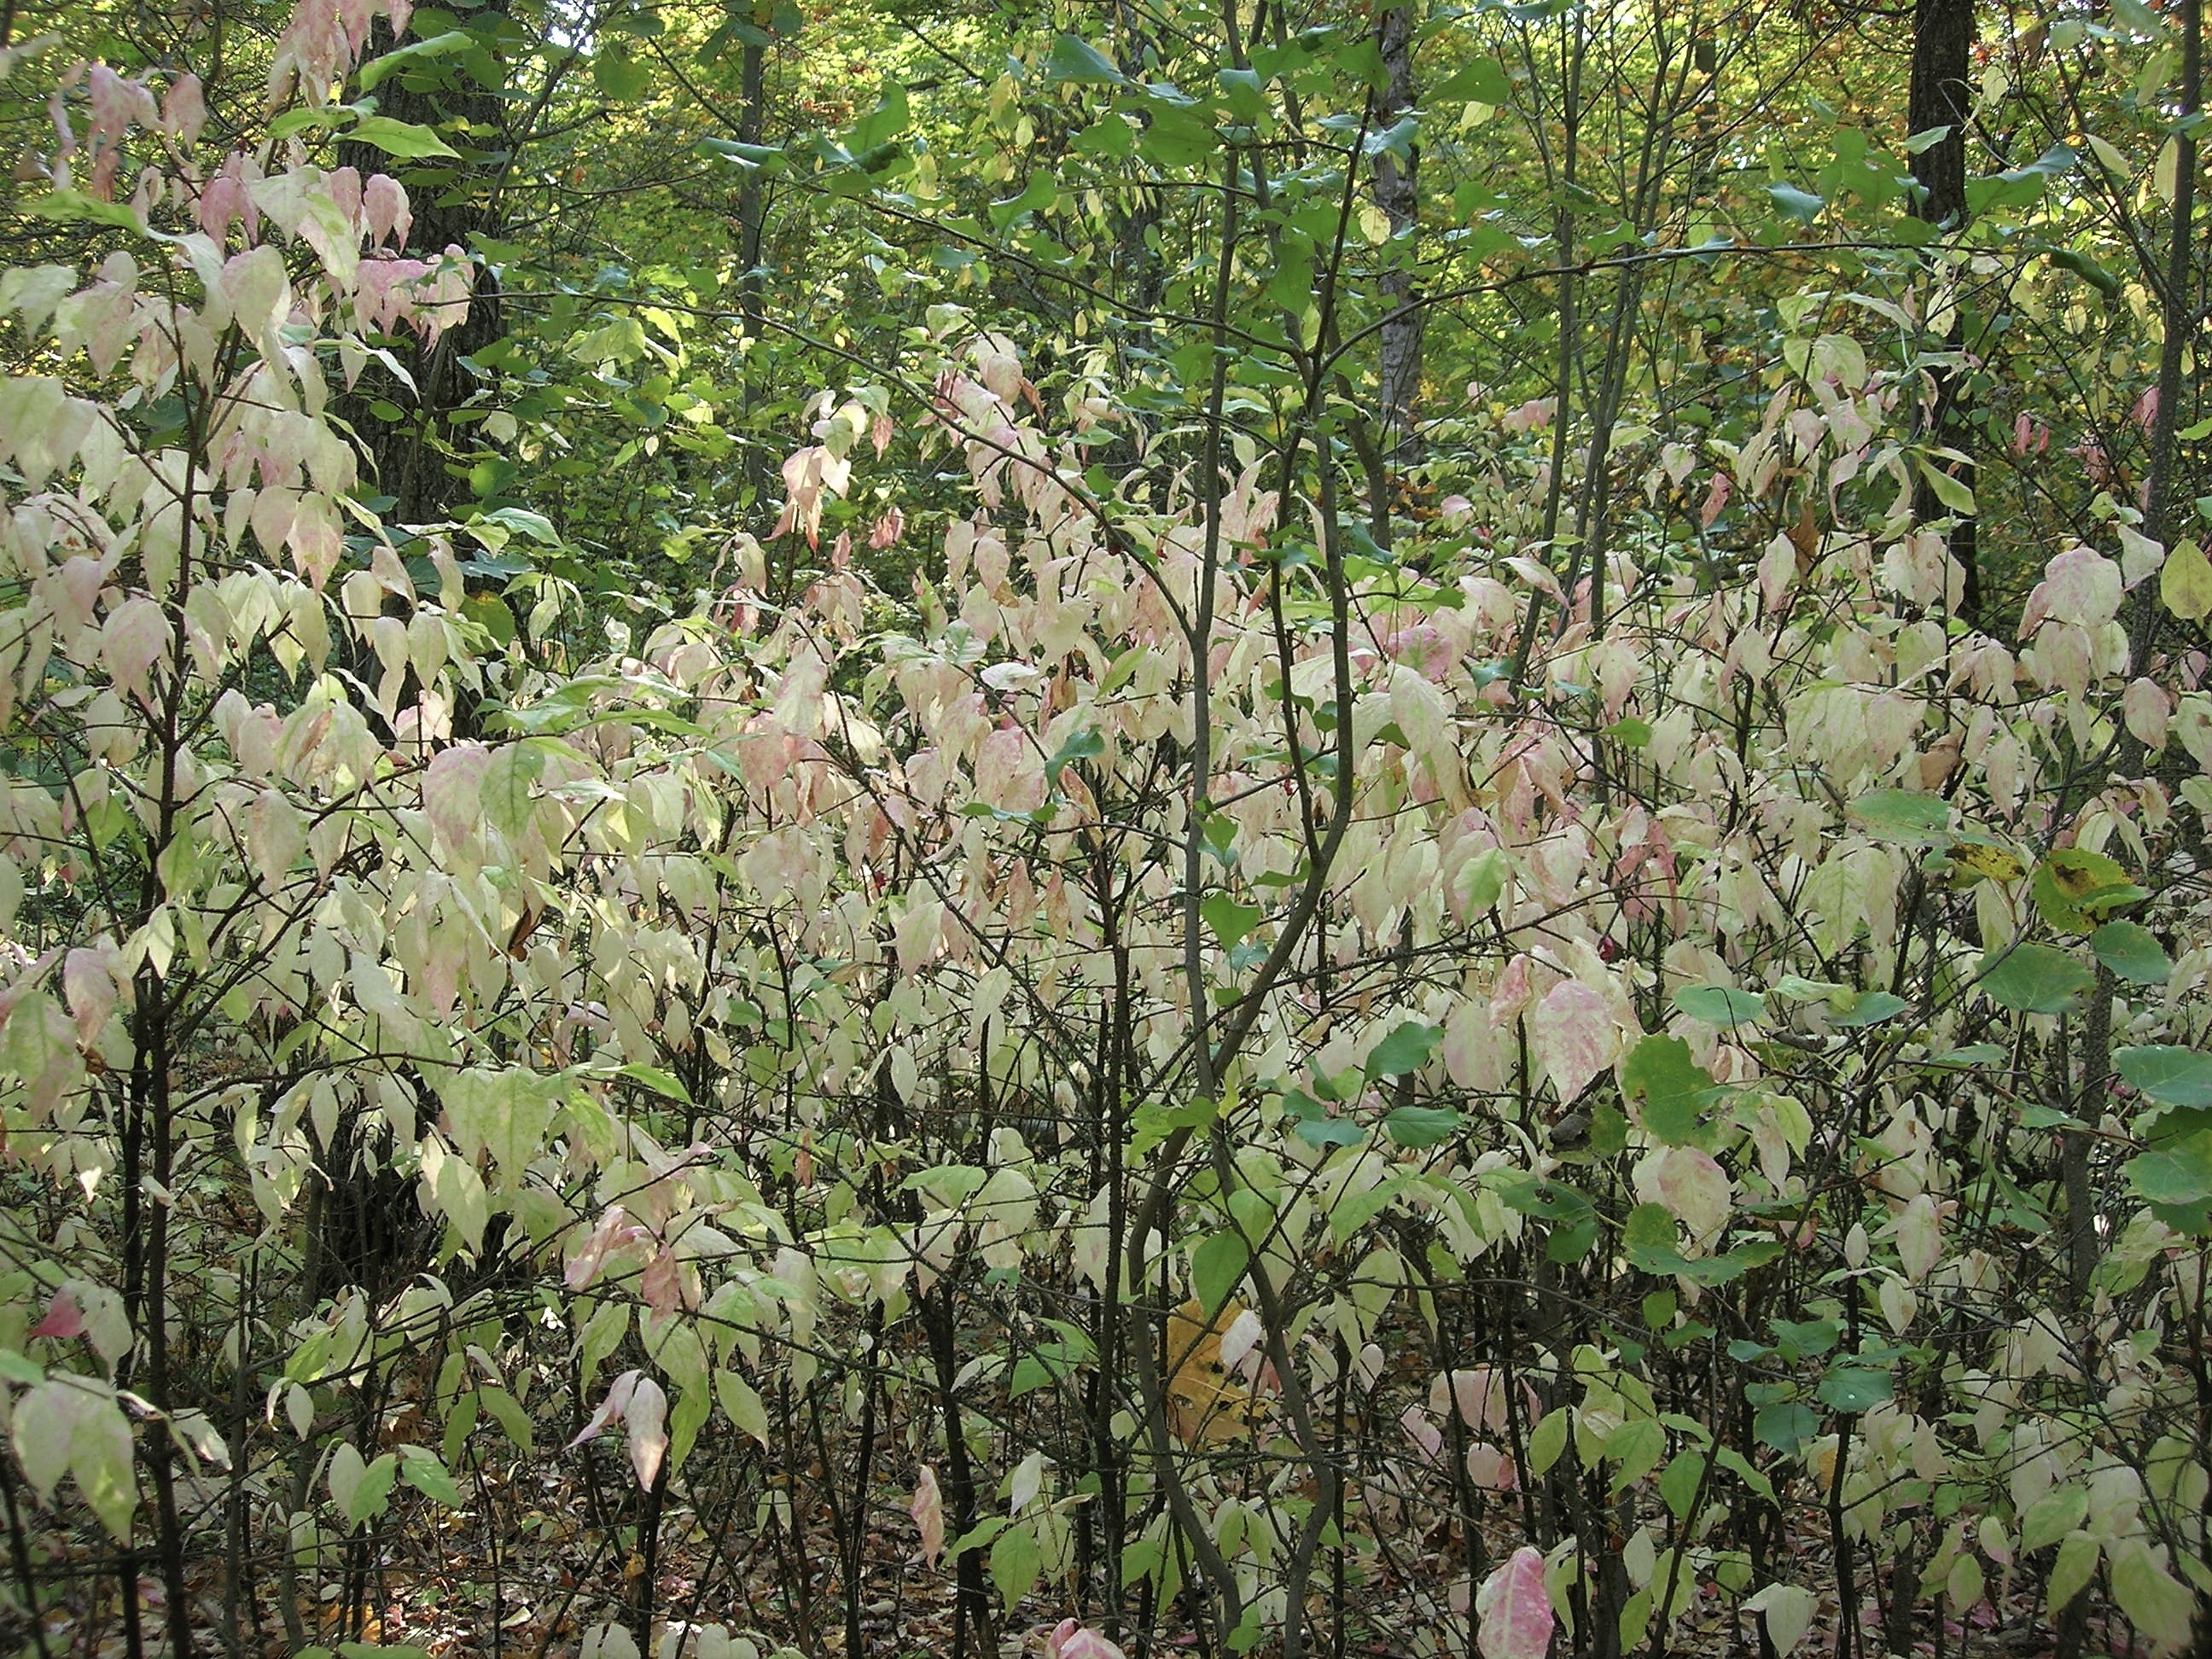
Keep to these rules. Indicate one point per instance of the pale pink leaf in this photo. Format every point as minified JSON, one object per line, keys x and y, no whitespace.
{"x":1920,"y":1239}
{"x":929,"y":1512}
{"x":1574,"y":1036}
{"x":1490,"y":1468}
{"x":1693,"y":1186}
{"x":2080,"y":586}
{"x":1717,"y":498}
{"x":1422,"y":1433}
{"x":135,"y":636}
{"x":2147,"y":709}
{"x":612,"y":1409}
{"x":612,"y":1232}
{"x":91,"y":991}
{"x":1516,"y":1608}
{"x":63,"y":1320}
{"x":1070,"y":1640}
{"x":648,"y":1430}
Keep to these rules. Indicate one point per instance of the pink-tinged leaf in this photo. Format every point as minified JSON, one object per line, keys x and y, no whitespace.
{"x":135,"y":636}
{"x":2147,"y":709}
{"x":1695,"y":1188}
{"x":2080,"y":586}
{"x":612,"y":1409}
{"x":1424,"y":1435}
{"x":1241,"y":1339}
{"x":452,"y":793}
{"x":1491,"y":1468}
{"x":1510,"y":997}
{"x":1920,"y":1239}
{"x":928,"y":1511}
{"x":914,"y":935}
{"x":276,"y":835}
{"x":316,"y":538}
{"x":91,"y":991}
{"x":384,"y":201}
{"x":659,"y":1285}
{"x":1478,"y":1394}
{"x":183,"y":112}
{"x":1070,"y":1640}
{"x":1516,"y":1609}
{"x":648,"y":1430}
{"x":613,"y":1232}
{"x":1574,"y":1036}
{"x":1717,"y":498}
{"x":63,"y":1320}
{"x":1778,"y":574}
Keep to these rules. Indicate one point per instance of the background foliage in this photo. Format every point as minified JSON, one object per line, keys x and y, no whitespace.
{"x":879,"y":829}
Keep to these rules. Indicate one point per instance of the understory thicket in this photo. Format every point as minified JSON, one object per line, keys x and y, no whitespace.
{"x":1339,"y":913}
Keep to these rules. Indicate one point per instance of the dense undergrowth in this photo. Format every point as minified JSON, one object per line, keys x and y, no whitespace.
{"x":1189,"y":1072}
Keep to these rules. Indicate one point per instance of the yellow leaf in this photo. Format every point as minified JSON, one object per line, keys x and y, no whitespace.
{"x":1203,"y":1404}
{"x":2186,"y":584}
{"x":1975,"y":861}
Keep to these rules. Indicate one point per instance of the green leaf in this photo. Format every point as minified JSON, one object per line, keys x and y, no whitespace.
{"x":1482,"y":82}
{"x":101,"y":1458}
{"x":1484,"y":881}
{"x":2156,"y":1603}
{"x":2034,"y":979}
{"x":1419,"y":1126}
{"x":328,"y":118}
{"x":2076,"y":890}
{"x":1677,"y":1486}
{"x":1548,"y":1440}
{"x":2051,"y":1516}
{"x":1016,"y":1561}
{"x":1870,"y":1008}
{"x":1077,"y":61}
{"x":1407,"y":1048}
{"x":1636,"y":1446}
{"x":1719,"y":1005}
{"x":1229,"y":920}
{"x":401,"y":138}
{"x":505,"y":789}
{"x":1799,"y":206}
{"x":2178,"y":1173}
{"x":2076,"y":1563}
{"x":742,"y":1404}
{"x":1660,"y":1073}
{"x":372,"y":1491}
{"x":507,"y":1411}
{"x":1082,"y":743}
{"x":414,"y":52}
{"x":619,"y":73}
{"x":2087,"y":270}
{"x":763,"y":158}
{"x":490,"y":612}
{"x":1899,"y":815}
{"x":421,"y":1470}
{"x":1744,"y":1470}
{"x":654,"y":1078}
{"x":1216,"y":1265}
{"x":74,"y":207}
{"x":1785,"y":1426}
{"x":1953,"y":492}
{"x":1803,"y":1339}
{"x":2169,"y":1075}
{"x":1855,"y":1388}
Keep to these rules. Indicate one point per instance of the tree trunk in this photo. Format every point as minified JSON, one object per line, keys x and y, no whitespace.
{"x":408,"y":457}
{"x":1396,"y":193}
{"x":1942,"y":93}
